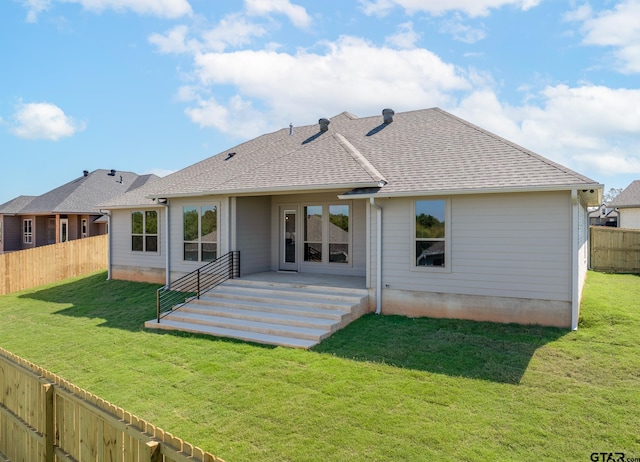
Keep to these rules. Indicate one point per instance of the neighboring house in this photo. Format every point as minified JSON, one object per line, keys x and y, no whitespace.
{"x":627,"y":203}
{"x":65,"y":213}
{"x":604,"y":215}
{"x":440,"y":217}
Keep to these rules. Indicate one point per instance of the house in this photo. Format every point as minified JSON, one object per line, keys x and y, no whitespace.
{"x":65,"y":213}
{"x":604,"y":216}
{"x":439,"y":217}
{"x":627,"y":204}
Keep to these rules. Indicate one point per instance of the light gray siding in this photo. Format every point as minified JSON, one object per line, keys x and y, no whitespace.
{"x":357,"y":229}
{"x":253,"y":233}
{"x":121,"y":253}
{"x":176,"y":232}
{"x":501,"y":245}
{"x":629,"y":218}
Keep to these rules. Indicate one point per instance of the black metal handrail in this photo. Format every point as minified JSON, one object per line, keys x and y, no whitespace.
{"x":174,"y":295}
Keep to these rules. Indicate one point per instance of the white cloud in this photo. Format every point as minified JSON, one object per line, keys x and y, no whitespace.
{"x":161,"y":8}
{"x":437,"y":7}
{"x":43,"y":121}
{"x":234,"y":30}
{"x":237,"y":117}
{"x":406,"y":37}
{"x":618,"y":28}
{"x":296,"y":14}
{"x":461,"y":31}
{"x":351,"y":75}
{"x":34,"y":8}
{"x":174,"y":41}
{"x":592,"y":129}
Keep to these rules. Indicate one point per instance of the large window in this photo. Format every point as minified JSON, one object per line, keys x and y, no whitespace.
{"x":200,"y":233}
{"x":326,"y":233}
{"x":339,"y":233}
{"x":144,"y":231}
{"x":430,"y":233}
{"x":313,"y":233}
{"x":27,"y":231}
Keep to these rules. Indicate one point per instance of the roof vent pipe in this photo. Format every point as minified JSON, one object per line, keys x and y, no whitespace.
{"x":290,"y":129}
{"x":387,"y":115}
{"x":324,"y":124}
{"x":112,"y":173}
{"x":85,"y":172}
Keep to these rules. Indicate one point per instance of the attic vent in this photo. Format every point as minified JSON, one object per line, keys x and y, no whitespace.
{"x":85,"y":172}
{"x":387,"y":115}
{"x":112,"y":173}
{"x":230,"y":155}
{"x":324,"y":124}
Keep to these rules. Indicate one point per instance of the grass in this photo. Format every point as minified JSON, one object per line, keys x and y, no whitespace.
{"x":384,"y":388}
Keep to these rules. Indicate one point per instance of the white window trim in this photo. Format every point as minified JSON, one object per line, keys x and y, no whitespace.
{"x":325,"y":234}
{"x":447,"y":238}
{"x":199,"y":206}
{"x":27,"y":237}
{"x":144,"y":233}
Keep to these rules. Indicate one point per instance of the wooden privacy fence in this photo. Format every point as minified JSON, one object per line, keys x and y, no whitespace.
{"x":44,"y":418}
{"x":29,"y":268}
{"x":615,"y":250}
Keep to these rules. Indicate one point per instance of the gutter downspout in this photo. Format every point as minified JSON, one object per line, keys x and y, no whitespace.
{"x":108,"y":214}
{"x":372,"y":201}
{"x":575,"y":260}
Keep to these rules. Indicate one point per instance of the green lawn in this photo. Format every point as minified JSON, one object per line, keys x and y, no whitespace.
{"x":383,"y":389}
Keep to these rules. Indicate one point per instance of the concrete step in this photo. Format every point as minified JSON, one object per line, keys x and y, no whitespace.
{"x":316,"y":310}
{"x":298,"y":299}
{"x":246,"y":336}
{"x":289,"y":319}
{"x":295,"y":315}
{"x":269,"y":328}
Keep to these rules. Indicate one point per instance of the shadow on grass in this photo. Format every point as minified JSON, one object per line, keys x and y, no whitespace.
{"x":478,"y":350}
{"x":122,"y":304}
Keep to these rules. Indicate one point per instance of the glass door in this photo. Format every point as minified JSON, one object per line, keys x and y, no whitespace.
{"x":288,"y":239}
{"x":64,"y":230}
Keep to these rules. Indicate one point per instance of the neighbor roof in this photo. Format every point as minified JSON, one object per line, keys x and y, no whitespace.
{"x":82,"y":195}
{"x":15,"y":205}
{"x":421,"y":152}
{"x":629,"y":197}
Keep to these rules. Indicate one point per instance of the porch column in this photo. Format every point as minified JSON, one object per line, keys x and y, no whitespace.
{"x":57,"y":228}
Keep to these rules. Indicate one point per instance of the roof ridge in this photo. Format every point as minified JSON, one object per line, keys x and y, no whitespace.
{"x":359,"y":158}
{"x":522,"y":149}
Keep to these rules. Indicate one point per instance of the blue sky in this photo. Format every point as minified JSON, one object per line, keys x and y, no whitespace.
{"x":152,"y":86}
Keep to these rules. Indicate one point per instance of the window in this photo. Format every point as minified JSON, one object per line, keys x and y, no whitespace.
{"x":144,"y":231}
{"x":430,"y":232}
{"x":27,"y":231}
{"x":313,"y":233}
{"x":326,"y":235}
{"x":83,"y":228}
{"x":200,"y":225}
{"x":339,"y":233}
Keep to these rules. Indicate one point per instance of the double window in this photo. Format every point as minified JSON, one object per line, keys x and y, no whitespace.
{"x":326,"y":233}
{"x":27,"y":231}
{"x":144,"y":231}
{"x":200,"y":232}
{"x":430,"y":233}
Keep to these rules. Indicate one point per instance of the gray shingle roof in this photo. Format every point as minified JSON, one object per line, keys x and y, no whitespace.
{"x":15,"y":205}
{"x":629,"y":197}
{"x":82,"y":195}
{"x":425,"y":151}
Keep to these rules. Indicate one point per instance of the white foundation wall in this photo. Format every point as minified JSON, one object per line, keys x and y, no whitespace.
{"x":509,"y":260}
